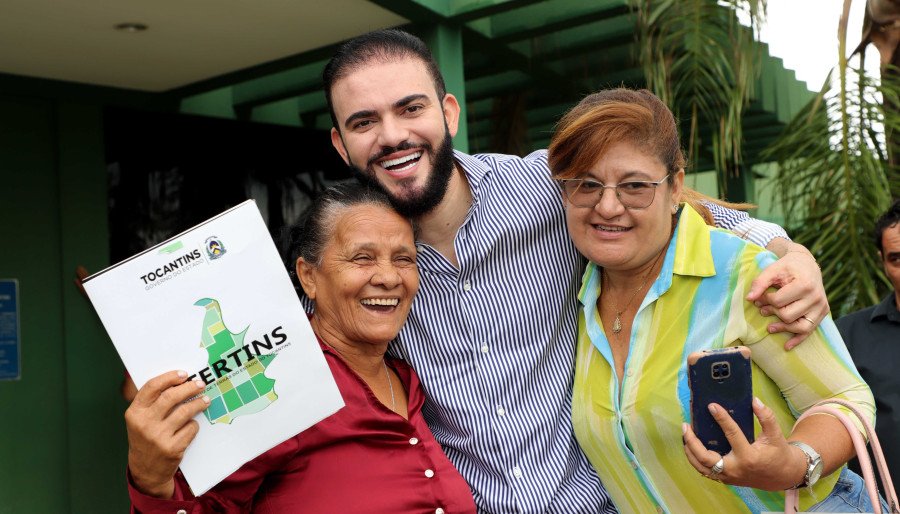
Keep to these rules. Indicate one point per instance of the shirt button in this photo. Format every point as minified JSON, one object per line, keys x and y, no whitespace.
{"x":429,"y":473}
{"x":420,"y":247}
{"x":501,"y":411}
{"x":517,"y":472}
{"x":629,"y":373}
{"x":181,"y":511}
{"x":413,"y":441}
{"x":467,"y":286}
{"x":438,"y":511}
{"x":485,"y":349}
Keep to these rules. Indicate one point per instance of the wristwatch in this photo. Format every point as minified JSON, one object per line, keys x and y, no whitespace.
{"x":814,"y":465}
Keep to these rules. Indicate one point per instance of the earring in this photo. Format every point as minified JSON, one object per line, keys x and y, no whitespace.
{"x":674,"y":208}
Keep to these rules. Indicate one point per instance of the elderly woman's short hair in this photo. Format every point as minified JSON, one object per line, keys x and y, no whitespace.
{"x":323,"y":214}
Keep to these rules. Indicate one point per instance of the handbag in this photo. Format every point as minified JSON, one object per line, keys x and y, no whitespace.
{"x":791,"y":497}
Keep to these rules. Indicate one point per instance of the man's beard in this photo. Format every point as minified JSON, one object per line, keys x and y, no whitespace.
{"x":423,"y":201}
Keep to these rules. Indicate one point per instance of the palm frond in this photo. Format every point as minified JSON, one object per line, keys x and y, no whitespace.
{"x":700,"y":60}
{"x":834,"y":181}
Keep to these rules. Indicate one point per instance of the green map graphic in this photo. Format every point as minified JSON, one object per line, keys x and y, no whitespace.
{"x":245,"y":390}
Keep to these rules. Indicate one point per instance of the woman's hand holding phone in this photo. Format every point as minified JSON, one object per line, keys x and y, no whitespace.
{"x":769,"y":463}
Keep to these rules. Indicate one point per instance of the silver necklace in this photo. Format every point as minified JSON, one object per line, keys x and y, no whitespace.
{"x":617,"y":323}
{"x":386,"y":374}
{"x":390,"y":384}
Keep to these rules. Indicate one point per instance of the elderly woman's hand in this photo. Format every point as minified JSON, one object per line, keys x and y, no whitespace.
{"x":769,"y":463}
{"x":160,"y":426}
{"x":799,"y":299}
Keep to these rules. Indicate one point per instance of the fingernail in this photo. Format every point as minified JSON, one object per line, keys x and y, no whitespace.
{"x":205,"y":399}
{"x":758,"y":403}
{"x":199,"y":384}
{"x":182,"y":374}
{"x":712,"y":408}
{"x":757,"y":303}
{"x":683,"y":430}
{"x":771,"y":330}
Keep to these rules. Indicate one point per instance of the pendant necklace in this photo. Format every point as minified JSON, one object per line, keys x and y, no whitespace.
{"x":390,"y":384}
{"x":617,"y":323}
{"x":386,"y":374}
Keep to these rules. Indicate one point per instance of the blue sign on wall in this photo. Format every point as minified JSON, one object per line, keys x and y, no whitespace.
{"x":10,"y":363}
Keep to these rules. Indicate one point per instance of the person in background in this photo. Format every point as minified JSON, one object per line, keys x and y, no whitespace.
{"x":873,"y":338}
{"x":660,"y":285}
{"x":357,"y":262}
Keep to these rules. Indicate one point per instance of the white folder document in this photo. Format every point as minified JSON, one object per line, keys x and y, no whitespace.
{"x":216,"y":301}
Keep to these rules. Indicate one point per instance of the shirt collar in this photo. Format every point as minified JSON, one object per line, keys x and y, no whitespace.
{"x":689,"y":253}
{"x":474,"y":169}
{"x":887,"y":309}
{"x":693,"y":253}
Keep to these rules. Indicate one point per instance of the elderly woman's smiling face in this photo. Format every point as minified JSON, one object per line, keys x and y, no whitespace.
{"x":367,"y":278}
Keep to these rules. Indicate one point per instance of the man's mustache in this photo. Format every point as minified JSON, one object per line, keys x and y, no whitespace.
{"x":388,"y":150}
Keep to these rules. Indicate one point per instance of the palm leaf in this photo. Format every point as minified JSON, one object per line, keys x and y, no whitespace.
{"x":702,"y":63}
{"x":834,"y":180}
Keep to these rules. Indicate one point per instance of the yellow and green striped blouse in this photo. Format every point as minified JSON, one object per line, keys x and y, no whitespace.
{"x":632,"y":435}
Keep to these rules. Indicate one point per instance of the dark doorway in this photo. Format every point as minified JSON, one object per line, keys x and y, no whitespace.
{"x":168,"y":172}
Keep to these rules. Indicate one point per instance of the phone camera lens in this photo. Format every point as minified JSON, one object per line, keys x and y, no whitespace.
{"x":720,"y":370}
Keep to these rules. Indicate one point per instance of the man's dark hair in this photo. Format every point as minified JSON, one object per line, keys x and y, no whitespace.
{"x":888,"y":219}
{"x":382,"y":46}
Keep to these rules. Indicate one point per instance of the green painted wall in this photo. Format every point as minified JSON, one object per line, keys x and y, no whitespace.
{"x":62,"y":440}
{"x":447,"y":47}
{"x":765,"y":191}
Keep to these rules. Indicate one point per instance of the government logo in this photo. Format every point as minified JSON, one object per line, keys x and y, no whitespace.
{"x":214,"y":248}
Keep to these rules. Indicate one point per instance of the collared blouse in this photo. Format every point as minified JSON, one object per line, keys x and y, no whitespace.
{"x":364,"y":458}
{"x":632,"y":434}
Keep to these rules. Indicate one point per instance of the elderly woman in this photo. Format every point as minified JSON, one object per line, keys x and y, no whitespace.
{"x":661,"y":284}
{"x":358,"y":264}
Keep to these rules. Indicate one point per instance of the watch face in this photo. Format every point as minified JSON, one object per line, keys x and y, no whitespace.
{"x":815,"y":472}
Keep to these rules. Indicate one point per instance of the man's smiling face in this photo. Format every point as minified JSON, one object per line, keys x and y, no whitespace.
{"x":394,"y":130}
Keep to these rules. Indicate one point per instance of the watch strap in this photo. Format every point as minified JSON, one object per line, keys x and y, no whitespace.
{"x":812,"y":460}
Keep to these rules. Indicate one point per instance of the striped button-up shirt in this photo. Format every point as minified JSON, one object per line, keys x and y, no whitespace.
{"x":494,"y":340}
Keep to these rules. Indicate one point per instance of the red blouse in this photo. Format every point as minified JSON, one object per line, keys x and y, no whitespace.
{"x":364,"y":458}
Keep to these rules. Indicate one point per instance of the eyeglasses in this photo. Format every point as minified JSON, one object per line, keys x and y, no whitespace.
{"x":584,"y":192}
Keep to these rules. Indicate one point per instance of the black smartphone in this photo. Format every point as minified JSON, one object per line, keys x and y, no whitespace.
{"x":721,"y":376}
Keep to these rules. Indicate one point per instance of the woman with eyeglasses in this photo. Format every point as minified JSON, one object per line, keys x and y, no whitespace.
{"x":661,"y":284}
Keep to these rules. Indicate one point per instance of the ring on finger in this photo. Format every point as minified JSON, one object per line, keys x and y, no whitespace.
{"x":717,"y":469}
{"x":811,"y":322}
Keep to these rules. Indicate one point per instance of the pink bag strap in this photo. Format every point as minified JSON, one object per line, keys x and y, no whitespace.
{"x":791,"y":497}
